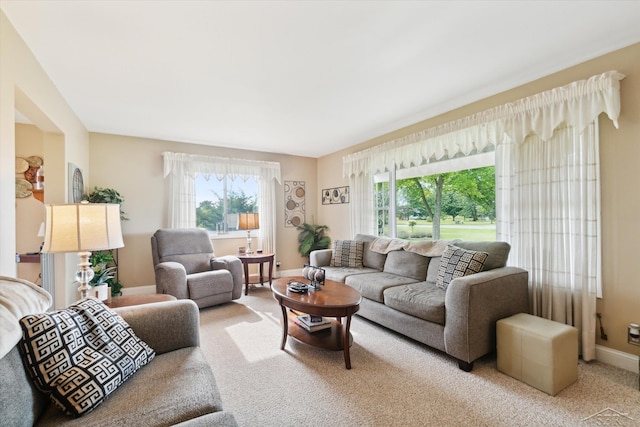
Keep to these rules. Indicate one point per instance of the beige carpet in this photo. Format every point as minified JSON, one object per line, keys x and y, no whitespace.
{"x":393,"y":381}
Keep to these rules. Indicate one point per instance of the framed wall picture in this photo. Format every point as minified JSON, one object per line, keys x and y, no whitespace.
{"x":337,"y":195}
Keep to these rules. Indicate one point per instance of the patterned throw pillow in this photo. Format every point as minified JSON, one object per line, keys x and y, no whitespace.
{"x":347,"y":253}
{"x":81,"y":354}
{"x":458,"y":262}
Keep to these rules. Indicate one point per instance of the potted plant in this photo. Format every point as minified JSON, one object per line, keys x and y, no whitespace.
{"x":103,"y":274}
{"x":106,"y":270}
{"x":311,"y":238}
{"x":107,"y":195}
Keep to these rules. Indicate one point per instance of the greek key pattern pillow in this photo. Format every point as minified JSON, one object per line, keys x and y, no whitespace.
{"x":81,"y":354}
{"x":458,"y":262}
{"x":347,"y":253}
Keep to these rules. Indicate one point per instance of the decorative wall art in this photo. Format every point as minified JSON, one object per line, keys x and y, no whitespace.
{"x":332,"y":196}
{"x":29,"y":176}
{"x":294,"y":203}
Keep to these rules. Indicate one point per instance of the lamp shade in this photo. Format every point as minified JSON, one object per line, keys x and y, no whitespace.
{"x":82,"y":227}
{"x":248,"y":221}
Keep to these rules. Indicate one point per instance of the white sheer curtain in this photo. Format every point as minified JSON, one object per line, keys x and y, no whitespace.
{"x":547,"y":187}
{"x":182,"y":170}
{"x":551,"y":197}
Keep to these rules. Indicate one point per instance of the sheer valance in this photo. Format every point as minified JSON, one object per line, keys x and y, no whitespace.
{"x":576,"y":104}
{"x":193,"y":165}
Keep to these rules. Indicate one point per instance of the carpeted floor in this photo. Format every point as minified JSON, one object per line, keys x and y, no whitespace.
{"x":393,"y":381}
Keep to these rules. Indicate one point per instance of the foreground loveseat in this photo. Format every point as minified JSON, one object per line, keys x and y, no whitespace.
{"x":398,"y":280}
{"x":177,"y":387}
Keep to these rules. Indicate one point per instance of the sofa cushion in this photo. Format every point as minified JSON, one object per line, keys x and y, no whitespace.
{"x":407,"y":264}
{"x":422,"y":300}
{"x":175,"y":387}
{"x":81,"y":354}
{"x":370,"y":258}
{"x":372,"y":285}
{"x":209,"y":283}
{"x":347,"y":253}
{"x":339,"y":274}
{"x":458,"y":262}
{"x":498,"y":252}
{"x":432,"y":271}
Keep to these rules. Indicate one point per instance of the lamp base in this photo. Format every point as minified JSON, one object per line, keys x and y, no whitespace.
{"x":249,"y":250}
{"x":84,"y":274}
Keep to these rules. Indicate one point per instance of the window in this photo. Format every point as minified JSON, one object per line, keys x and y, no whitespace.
{"x":452,"y":200}
{"x":218,"y":202}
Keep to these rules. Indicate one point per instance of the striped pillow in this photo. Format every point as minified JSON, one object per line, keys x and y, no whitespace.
{"x":347,"y":253}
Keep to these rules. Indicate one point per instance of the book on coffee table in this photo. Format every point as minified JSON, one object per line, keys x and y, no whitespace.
{"x":305,"y":321}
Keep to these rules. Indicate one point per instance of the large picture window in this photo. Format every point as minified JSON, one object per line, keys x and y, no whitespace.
{"x":456,"y":201}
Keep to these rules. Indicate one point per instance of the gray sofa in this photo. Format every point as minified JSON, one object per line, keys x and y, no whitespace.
{"x":177,"y":387}
{"x":399,"y":292}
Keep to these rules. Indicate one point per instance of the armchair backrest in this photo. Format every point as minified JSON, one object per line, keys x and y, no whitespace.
{"x":190,"y":247}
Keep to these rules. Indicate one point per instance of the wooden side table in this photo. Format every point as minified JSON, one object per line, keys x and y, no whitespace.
{"x":127,"y":300}
{"x":256,"y":258}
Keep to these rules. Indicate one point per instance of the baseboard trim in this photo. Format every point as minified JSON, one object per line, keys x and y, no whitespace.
{"x":287,"y":273}
{"x":617,"y":358}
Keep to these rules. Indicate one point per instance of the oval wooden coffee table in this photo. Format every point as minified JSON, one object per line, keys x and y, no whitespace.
{"x":333,"y":299}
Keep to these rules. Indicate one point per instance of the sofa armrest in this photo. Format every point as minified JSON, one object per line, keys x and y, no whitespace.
{"x":320,"y":257}
{"x":473,"y":305}
{"x":171,"y":278}
{"x":165,"y":326}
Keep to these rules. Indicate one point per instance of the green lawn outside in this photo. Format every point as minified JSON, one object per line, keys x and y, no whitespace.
{"x":464,"y":230}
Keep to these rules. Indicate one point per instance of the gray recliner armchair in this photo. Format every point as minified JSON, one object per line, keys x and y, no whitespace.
{"x":187,"y":268}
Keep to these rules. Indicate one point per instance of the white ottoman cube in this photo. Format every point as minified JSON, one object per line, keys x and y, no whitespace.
{"x":537,"y":351}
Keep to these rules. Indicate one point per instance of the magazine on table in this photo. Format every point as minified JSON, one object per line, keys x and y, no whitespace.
{"x":310,"y":320}
{"x":304,"y":321}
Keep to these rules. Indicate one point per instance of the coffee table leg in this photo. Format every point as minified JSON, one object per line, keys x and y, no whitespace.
{"x":285,"y":326}
{"x":345,"y":343}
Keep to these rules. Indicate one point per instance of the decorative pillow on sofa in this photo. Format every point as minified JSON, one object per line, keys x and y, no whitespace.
{"x":347,"y":253}
{"x":81,"y":354}
{"x":458,"y":262}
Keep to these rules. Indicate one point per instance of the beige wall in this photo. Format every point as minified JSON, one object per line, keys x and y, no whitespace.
{"x":620,"y":157}
{"x":133,"y":166}
{"x":25,"y":86}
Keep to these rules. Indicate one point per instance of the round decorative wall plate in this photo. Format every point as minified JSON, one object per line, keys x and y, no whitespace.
{"x":35,"y":161}
{"x":21,"y":165}
{"x":77,"y":186}
{"x":23,"y":188}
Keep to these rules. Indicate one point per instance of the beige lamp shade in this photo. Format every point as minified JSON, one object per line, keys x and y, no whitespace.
{"x":248,"y":221}
{"x":82,"y":227}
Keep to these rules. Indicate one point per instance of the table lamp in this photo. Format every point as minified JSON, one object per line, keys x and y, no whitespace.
{"x":82,"y":228}
{"x":248,"y":221}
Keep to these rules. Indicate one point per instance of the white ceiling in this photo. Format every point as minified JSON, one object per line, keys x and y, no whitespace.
{"x":301,"y":77}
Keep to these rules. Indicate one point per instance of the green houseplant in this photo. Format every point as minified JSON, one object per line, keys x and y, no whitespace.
{"x":102,"y":262}
{"x":107,"y":195}
{"x":104,"y":269}
{"x":311,"y":238}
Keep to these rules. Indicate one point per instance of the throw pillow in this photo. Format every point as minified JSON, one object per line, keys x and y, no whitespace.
{"x":458,"y":262}
{"x":81,"y":354}
{"x":347,"y":253}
